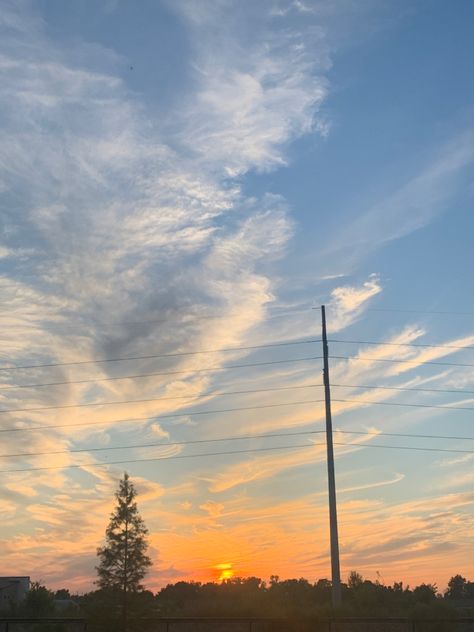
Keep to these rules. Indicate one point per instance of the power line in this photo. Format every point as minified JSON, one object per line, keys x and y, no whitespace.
{"x":159,"y":399}
{"x":406,"y":388}
{"x":419,"y":311}
{"x":160,"y":355}
{"x":162,"y":458}
{"x":214,"y":394}
{"x":165,"y":444}
{"x":92,"y":323}
{"x":360,"y":401}
{"x":406,"y":434}
{"x":403,"y":447}
{"x":190,"y":413}
{"x":187,"y":318}
{"x":401,"y":344}
{"x":399,"y":361}
{"x":230,"y":452}
{"x":161,"y":373}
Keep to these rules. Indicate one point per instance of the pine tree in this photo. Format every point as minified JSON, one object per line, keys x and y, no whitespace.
{"x":123,"y":562}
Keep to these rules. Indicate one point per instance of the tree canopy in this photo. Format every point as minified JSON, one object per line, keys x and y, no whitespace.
{"x":123,"y":561}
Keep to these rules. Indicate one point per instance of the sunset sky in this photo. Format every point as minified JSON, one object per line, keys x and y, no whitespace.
{"x":201,"y":175}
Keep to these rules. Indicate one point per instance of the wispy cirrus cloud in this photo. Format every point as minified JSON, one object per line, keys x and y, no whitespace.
{"x":128,"y":236}
{"x":259,"y":92}
{"x":419,"y":200}
{"x":348,"y":302}
{"x":256,"y":469}
{"x":113,"y":222}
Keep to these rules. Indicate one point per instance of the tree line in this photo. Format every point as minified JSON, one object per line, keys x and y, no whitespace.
{"x":254,"y":597}
{"x":120,"y":600}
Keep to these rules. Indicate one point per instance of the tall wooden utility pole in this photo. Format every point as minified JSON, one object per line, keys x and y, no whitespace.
{"x":335,"y":568}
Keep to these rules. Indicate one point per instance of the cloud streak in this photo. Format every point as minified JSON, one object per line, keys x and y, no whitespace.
{"x":128,"y":236}
{"x":114,"y":221}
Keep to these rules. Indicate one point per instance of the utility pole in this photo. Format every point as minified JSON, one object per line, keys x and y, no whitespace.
{"x":335,"y":568}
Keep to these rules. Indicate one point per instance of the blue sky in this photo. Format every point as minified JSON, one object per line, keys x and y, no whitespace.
{"x":185,"y":176}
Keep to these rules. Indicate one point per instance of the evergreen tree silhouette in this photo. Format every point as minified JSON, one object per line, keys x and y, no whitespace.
{"x":123,"y":562}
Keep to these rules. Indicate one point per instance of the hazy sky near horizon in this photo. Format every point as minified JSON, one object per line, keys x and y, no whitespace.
{"x":199,"y":175}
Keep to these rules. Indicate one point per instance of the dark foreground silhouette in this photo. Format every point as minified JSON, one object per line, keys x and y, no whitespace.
{"x":294,"y":604}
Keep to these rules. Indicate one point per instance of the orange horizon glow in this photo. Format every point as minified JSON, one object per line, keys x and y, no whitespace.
{"x":225,"y":571}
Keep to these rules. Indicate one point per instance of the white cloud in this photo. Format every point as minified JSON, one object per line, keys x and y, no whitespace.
{"x":303,"y":7}
{"x":116,"y":221}
{"x":348,"y":302}
{"x":124,"y":222}
{"x":257,"y":90}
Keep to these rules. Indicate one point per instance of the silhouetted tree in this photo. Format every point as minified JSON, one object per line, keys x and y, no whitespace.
{"x":322,"y":591}
{"x":292,"y":599}
{"x":123,"y":562}
{"x":355,"y":580}
{"x":425,"y":593}
{"x":39,"y":601}
{"x":470,"y":590}
{"x":456,"y":587}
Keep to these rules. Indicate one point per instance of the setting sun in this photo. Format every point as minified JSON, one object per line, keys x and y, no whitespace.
{"x":225,"y":571}
{"x":235,"y":317}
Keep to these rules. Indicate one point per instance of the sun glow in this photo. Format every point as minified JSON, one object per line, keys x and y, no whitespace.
{"x":225,"y":571}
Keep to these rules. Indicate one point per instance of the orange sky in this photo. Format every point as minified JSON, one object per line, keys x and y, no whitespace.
{"x":162,"y":261}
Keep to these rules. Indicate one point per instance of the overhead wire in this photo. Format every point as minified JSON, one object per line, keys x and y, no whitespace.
{"x":419,"y":311}
{"x":226,"y":453}
{"x":190,"y":413}
{"x":406,"y":388}
{"x":185,"y":318}
{"x":403,"y":447}
{"x":164,"y":444}
{"x":248,"y":437}
{"x":152,"y":459}
{"x":226,"y":393}
{"x":159,"y":355}
{"x":158,"y":399}
{"x":404,"y":434}
{"x":417,"y":362}
{"x":159,"y":373}
{"x":361,"y":401}
{"x":411,"y":311}
{"x":400,"y":344}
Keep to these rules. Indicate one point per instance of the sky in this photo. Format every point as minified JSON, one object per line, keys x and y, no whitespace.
{"x":182,"y":185}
